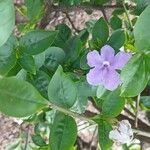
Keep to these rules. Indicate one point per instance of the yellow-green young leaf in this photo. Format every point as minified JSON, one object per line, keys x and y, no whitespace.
{"x":62,"y":90}
{"x":134,"y":76}
{"x":18,"y":98}
{"x":103,"y":133}
{"x":7,"y":20}
{"x":141,"y":31}
{"x":63,"y":132}
{"x":36,"y":42}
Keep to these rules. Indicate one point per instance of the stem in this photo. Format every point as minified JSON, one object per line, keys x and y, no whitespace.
{"x":137,"y":110}
{"x":127,"y":15}
{"x":71,"y":113}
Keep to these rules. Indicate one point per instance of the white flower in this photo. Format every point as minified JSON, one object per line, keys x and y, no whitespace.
{"x":123,"y":133}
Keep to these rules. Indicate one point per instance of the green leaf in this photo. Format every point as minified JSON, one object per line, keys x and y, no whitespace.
{"x":7,"y":20}
{"x":63,"y":35}
{"x":36,"y":42}
{"x":40,"y":81}
{"x":38,"y":140}
{"x":84,"y":91}
{"x":34,"y":9}
{"x":18,"y":98}
{"x":141,"y":5}
{"x":142,"y":36}
{"x":117,"y":39}
{"x":63,"y":132}
{"x":100,"y":2}
{"x":101,"y":91}
{"x":115,"y":22}
{"x":84,"y":35}
{"x":134,"y":76}
{"x":7,"y":56}
{"x":73,"y":49}
{"x":27,"y":62}
{"x":103,"y":132}
{"x":62,"y":90}
{"x":54,"y":57}
{"x":145,"y":100}
{"x":113,"y":104}
{"x":39,"y":60}
{"x":100,"y":31}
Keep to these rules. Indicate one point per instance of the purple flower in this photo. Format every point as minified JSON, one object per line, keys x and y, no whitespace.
{"x":103,"y":67}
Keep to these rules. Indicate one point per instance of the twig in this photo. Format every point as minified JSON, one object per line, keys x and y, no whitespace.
{"x":129,"y":112}
{"x":104,"y":14}
{"x":139,"y":132}
{"x":137,"y":110}
{"x":27,"y":138}
{"x":92,"y":137}
{"x":127,"y":15}
{"x":83,"y":7}
{"x":71,"y":22}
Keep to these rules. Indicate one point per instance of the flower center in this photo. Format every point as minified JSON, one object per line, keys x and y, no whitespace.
{"x":106,"y":64}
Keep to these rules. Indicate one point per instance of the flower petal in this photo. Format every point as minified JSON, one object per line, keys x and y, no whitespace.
{"x":119,"y":137}
{"x":94,"y":59}
{"x":94,"y":77}
{"x":111,"y":79}
{"x":115,"y":135}
{"x":107,"y":53}
{"x":121,"y":59}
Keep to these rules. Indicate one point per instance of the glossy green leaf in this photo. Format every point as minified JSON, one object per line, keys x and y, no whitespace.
{"x":36,"y":42}
{"x":134,"y":76}
{"x":117,"y":39}
{"x":62,"y":90}
{"x":18,"y":98}
{"x":113,"y":104}
{"x":115,"y":22}
{"x":7,"y":20}
{"x":54,"y":56}
{"x":34,"y":9}
{"x":7,"y":56}
{"x":103,"y":132}
{"x":27,"y":62}
{"x":63,"y":132}
{"x":141,"y":34}
{"x":100,"y":31}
